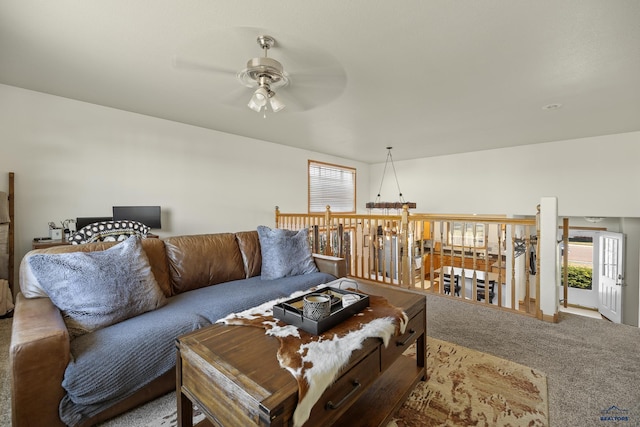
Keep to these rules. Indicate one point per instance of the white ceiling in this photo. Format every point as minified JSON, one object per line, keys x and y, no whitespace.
{"x":428,"y":77}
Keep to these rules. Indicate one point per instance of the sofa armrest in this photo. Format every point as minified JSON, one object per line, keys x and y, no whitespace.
{"x":38,"y":357}
{"x":331,"y":264}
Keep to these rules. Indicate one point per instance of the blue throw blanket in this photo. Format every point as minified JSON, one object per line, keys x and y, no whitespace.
{"x":112,"y":363}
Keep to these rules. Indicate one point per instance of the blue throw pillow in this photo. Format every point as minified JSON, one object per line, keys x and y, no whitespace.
{"x":97,"y":289}
{"x":285,"y":253}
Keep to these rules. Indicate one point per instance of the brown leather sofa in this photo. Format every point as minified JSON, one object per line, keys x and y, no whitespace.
{"x":40,"y":342}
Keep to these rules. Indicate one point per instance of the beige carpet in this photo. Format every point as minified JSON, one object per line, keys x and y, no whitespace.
{"x":464,"y":387}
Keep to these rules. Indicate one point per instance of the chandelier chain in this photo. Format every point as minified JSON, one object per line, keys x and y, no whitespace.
{"x":384,"y":171}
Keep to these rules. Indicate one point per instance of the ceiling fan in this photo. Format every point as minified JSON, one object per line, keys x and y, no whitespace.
{"x":313,"y":76}
{"x":268,"y":74}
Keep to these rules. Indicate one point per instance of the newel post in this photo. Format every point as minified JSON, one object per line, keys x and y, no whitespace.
{"x":548,"y":274}
{"x":277,"y":217}
{"x":405,"y":259}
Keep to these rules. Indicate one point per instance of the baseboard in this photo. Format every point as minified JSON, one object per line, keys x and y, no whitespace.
{"x":581,"y":307}
{"x":550,"y":318}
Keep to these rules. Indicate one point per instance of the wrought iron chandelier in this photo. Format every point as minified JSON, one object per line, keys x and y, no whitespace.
{"x":377,"y":204}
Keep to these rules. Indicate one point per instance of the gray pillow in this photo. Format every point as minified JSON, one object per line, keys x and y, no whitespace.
{"x":97,"y":289}
{"x":285,"y":253}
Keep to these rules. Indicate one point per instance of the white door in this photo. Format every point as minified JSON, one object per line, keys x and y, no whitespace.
{"x":610,"y":275}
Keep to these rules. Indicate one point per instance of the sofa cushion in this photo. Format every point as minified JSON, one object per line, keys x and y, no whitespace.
{"x":112,"y":363}
{"x":97,"y":289}
{"x":249,"y":244}
{"x":285,"y":253}
{"x":215,"y":302}
{"x":203,"y":260}
{"x":154,"y":248}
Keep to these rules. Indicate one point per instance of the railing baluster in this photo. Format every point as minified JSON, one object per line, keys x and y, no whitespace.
{"x":513,"y":267}
{"x":499,"y":239}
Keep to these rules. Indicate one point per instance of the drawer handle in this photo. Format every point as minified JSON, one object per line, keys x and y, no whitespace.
{"x":331,"y":405}
{"x":401,"y":343}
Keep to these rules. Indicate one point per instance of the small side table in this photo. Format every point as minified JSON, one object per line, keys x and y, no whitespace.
{"x":42,"y":244}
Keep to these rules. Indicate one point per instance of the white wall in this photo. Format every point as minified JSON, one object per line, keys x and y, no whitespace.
{"x":76,"y":159}
{"x":589,"y":176}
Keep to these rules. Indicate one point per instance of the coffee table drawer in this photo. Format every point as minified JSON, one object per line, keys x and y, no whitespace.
{"x":397,"y":345}
{"x":346,"y":390}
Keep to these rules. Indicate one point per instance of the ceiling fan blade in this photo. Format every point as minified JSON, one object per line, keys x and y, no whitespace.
{"x":201,"y":66}
{"x":308,"y":90}
{"x":296,"y":105}
{"x":237,"y":97}
{"x":319,"y":79}
{"x":299,"y":101}
{"x":229,"y":47}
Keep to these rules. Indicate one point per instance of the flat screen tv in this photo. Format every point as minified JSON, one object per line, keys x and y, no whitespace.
{"x":148,"y":215}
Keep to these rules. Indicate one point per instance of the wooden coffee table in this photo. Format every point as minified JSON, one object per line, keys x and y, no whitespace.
{"x":231,"y":373}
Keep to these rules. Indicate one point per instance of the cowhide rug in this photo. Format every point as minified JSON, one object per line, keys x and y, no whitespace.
{"x":316,"y":360}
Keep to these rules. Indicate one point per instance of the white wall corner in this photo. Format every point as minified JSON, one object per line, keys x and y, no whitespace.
{"x":549,"y":274}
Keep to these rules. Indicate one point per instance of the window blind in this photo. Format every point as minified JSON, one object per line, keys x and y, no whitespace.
{"x":331,"y":185}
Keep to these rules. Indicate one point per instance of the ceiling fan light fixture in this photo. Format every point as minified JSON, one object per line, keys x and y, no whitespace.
{"x":255,"y":107}
{"x":259,"y":99}
{"x":276,"y":103}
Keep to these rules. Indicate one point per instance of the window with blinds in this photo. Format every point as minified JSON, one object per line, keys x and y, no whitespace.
{"x":331,"y":185}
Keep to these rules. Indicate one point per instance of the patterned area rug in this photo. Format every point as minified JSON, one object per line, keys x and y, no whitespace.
{"x":469,"y":388}
{"x":464,"y":388}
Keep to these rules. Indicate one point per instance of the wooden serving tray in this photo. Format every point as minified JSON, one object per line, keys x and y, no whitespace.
{"x":290,"y":311}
